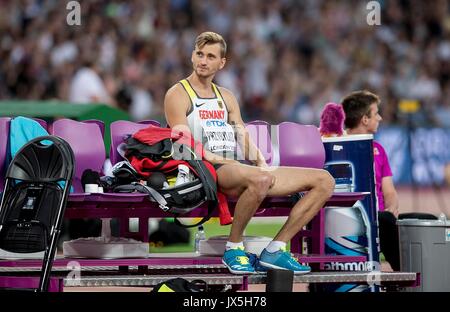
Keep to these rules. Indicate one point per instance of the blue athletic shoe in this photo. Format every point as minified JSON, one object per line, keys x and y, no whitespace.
{"x":282,"y":260}
{"x":254,"y":261}
{"x":237,"y":261}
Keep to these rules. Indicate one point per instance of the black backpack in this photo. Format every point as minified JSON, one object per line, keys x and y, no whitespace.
{"x":181,"y":199}
{"x":181,"y":285}
{"x":176,"y":200}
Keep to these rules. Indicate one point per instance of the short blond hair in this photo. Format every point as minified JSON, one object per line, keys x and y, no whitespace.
{"x":209,"y":37}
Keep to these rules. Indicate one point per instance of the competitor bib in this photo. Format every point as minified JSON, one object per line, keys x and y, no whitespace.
{"x":218,"y":136}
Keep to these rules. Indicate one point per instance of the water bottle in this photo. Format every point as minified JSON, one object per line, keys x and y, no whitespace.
{"x":199,"y":235}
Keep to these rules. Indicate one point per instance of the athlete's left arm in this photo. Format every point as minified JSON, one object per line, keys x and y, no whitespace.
{"x":390,"y":195}
{"x":251,"y":151}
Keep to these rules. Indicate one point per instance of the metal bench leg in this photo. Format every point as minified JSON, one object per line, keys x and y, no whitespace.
{"x":318,"y":233}
{"x":124,"y":227}
{"x":143,"y":229}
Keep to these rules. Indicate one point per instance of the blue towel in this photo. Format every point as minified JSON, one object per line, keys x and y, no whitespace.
{"x":22,"y":130}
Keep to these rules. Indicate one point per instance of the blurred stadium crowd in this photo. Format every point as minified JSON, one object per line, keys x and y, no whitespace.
{"x":286,"y":58}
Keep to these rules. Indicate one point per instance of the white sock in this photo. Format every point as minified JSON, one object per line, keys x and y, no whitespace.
{"x":231,"y":245}
{"x":274,"y":246}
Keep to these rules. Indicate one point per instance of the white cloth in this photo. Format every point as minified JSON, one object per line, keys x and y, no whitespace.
{"x":87,"y":87}
{"x":274,"y":246}
{"x":141,"y":105}
{"x":230,"y":245}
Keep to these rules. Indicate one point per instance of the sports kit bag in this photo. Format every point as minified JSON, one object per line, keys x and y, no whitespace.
{"x":156,"y":150}
{"x":181,"y":285}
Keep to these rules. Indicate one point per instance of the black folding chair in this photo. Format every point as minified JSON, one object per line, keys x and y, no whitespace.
{"x":37,"y":185}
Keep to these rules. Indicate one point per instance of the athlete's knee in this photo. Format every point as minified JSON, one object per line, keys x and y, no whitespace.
{"x":325,"y":183}
{"x":260,"y":184}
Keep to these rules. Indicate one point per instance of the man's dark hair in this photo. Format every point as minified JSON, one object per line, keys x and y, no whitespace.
{"x":357,"y":105}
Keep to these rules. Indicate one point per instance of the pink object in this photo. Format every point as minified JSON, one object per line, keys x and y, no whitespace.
{"x":86,"y":141}
{"x":382,"y":169}
{"x":332,"y":120}
{"x":4,"y":137}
